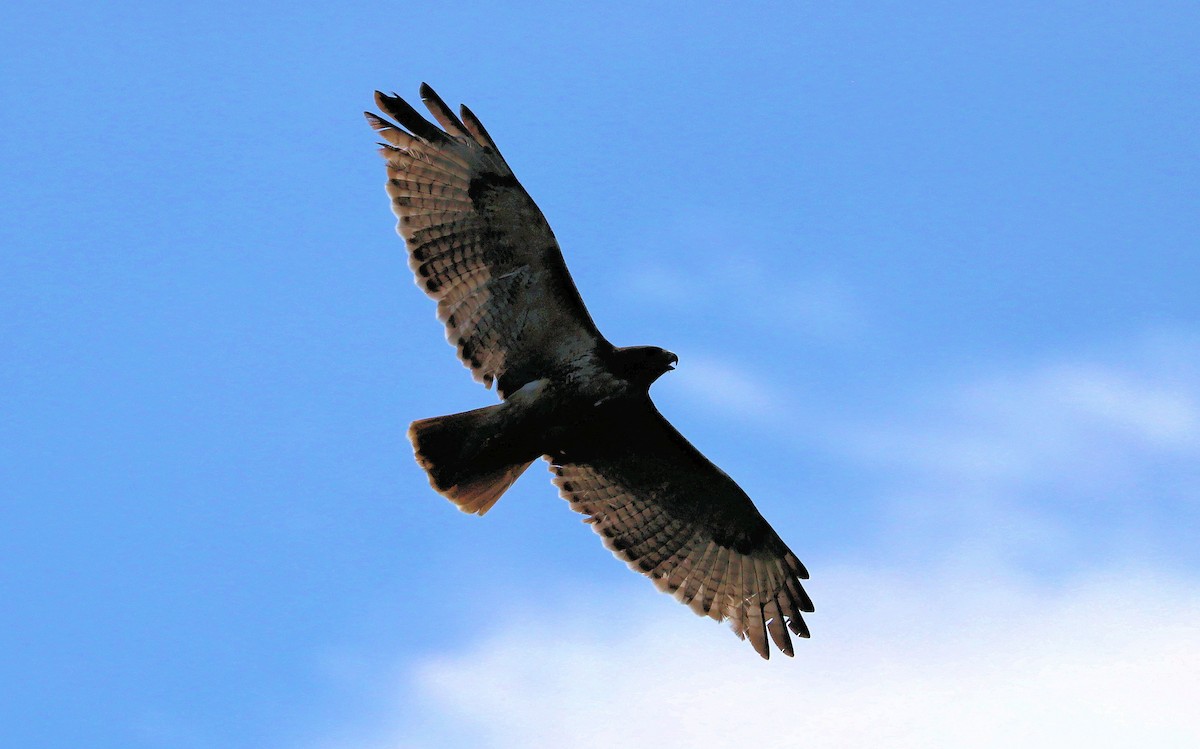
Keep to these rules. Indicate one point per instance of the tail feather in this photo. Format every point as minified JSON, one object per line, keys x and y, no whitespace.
{"x":469,"y":458}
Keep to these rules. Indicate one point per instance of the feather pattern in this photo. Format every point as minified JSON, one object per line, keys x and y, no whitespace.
{"x":669,"y":513}
{"x":480,"y":246}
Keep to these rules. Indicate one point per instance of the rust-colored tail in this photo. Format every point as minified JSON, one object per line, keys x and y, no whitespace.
{"x":469,"y":457}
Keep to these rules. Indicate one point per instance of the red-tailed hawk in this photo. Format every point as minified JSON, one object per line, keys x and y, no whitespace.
{"x":479,"y":245}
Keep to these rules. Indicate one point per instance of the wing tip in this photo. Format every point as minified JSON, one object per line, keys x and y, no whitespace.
{"x":376,"y":122}
{"x":477,"y":131}
{"x":402,"y":112}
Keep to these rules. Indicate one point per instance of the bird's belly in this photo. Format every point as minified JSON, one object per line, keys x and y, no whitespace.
{"x":579,"y":404}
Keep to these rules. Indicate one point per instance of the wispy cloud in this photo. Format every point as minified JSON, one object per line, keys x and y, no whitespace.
{"x":730,"y":388}
{"x":787,"y":300}
{"x":1060,"y":462}
{"x":1022,"y":426}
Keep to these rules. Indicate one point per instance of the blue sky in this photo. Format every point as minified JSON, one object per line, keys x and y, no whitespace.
{"x":931,"y":273}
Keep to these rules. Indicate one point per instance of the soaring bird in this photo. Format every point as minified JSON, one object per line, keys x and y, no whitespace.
{"x":479,"y":245}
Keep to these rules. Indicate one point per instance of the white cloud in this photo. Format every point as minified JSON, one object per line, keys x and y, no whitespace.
{"x":974,"y":660}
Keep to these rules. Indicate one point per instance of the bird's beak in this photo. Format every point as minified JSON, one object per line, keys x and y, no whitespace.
{"x":672,"y":360}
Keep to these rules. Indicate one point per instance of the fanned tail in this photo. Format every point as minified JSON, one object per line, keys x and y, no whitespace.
{"x":469,"y":458}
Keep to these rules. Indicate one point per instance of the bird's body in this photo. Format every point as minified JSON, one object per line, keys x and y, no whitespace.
{"x":480,"y":246}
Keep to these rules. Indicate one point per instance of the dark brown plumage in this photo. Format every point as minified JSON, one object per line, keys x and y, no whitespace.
{"x":480,"y":246}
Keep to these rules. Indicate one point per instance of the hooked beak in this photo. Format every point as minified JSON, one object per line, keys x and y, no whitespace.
{"x":672,"y":360}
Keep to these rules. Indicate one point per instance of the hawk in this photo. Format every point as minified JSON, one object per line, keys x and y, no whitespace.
{"x":479,"y":245}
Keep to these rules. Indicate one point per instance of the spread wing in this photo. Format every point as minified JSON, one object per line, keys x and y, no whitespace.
{"x":480,"y":246}
{"x":670,"y":514}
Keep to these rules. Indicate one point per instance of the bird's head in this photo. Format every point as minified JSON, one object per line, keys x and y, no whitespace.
{"x":645,"y":364}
